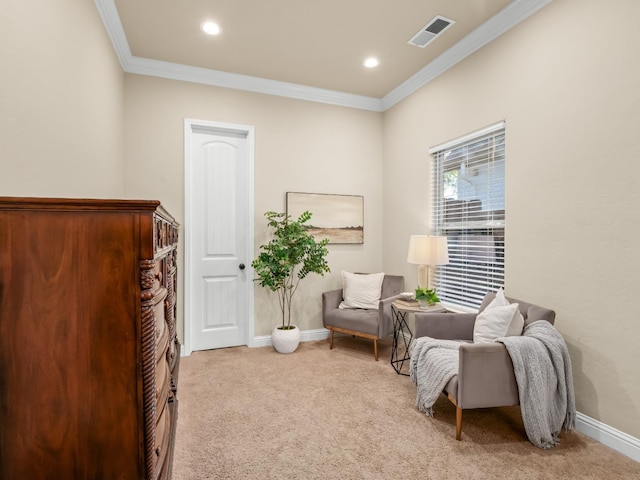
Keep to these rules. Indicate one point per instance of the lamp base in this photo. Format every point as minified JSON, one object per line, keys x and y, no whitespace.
{"x":423,"y":276}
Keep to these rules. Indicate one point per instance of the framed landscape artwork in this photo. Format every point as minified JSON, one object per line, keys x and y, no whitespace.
{"x":340,"y":218}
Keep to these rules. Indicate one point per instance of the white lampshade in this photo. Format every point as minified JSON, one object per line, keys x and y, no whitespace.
{"x":426,"y":250}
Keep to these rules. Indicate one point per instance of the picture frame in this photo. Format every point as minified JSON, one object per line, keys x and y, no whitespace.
{"x":340,"y":218}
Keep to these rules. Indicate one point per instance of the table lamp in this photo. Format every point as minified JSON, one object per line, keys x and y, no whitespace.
{"x":426,"y":251}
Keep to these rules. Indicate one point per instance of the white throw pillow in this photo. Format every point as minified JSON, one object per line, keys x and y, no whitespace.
{"x":499,"y":300}
{"x":493,"y":323}
{"x":517,"y":322}
{"x":361,"y":290}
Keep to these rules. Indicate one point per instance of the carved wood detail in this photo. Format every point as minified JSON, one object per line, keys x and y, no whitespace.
{"x":148,"y":320}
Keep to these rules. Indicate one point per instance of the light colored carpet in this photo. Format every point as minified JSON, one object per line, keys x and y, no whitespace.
{"x":338,"y":414}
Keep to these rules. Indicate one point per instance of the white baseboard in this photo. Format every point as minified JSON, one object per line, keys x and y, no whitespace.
{"x":305,"y":336}
{"x":609,"y":436}
{"x":265,"y":340}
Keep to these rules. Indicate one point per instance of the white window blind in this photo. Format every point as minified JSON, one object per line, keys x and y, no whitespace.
{"x":468,"y":208}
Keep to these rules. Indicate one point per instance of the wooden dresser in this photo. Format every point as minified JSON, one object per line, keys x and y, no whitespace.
{"x":88,"y":350}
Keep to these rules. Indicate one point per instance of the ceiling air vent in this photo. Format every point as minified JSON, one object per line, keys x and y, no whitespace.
{"x":430,"y":31}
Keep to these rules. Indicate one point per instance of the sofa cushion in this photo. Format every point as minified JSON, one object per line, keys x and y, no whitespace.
{"x":361,"y":290}
{"x":358,"y":320}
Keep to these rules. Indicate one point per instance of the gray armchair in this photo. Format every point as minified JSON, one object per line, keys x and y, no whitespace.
{"x":367,"y":323}
{"x":485,"y":374}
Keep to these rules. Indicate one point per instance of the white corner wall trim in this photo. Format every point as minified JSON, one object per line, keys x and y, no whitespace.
{"x":609,"y":436}
{"x":510,"y":16}
{"x":109,"y":14}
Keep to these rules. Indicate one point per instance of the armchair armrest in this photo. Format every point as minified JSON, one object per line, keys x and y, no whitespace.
{"x":384,"y":302}
{"x":485,"y":376}
{"x":331,"y":300}
{"x":385,"y":323}
{"x":446,"y":326}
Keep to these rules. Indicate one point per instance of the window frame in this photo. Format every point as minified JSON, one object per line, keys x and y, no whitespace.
{"x":475,"y":228}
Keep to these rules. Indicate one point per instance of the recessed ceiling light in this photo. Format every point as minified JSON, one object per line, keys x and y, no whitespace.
{"x":371,"y":62}
{"x":211,"y":28}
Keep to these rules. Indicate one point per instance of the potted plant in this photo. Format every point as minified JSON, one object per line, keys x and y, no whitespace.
{"x":290,"y":256}
{"x":426,"y":296}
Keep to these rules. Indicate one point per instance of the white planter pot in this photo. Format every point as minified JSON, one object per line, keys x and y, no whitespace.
{"x":425,"y":305}
{"x":285,"y":341}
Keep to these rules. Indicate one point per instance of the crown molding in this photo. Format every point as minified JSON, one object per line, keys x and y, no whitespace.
{"x":514,"y":13}
{"x":217,"y":78}
{"x":509,"y":17}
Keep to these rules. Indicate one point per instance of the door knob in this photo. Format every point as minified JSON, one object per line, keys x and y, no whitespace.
{"x":241,"y":266}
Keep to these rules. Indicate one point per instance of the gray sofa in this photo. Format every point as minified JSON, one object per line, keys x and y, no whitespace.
{"x":485,"y":375}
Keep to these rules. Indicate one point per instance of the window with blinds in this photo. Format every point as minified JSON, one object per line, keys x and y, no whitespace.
{"x":468,"y":208}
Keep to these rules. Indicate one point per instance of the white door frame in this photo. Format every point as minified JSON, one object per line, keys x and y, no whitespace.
{"x":216,"y":127}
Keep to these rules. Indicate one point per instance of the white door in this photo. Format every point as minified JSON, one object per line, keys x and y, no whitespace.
{"x":218,"y":235}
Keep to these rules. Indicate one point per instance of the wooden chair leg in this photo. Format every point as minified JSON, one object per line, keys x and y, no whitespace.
{"x":458,"y":423}
{"x":331,"y":339}
{"x":375,"y":348}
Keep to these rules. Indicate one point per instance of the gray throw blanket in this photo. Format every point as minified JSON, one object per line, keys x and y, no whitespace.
{"x":433,"y":363}
{"x":542,"y":369}
{"x":545,"y":382}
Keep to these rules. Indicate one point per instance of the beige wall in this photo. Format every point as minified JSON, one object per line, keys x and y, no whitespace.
{"x":565,"y":80}
{"x":61,"y":98}
{"x":299,"y":146}
{"x":567,"y":83}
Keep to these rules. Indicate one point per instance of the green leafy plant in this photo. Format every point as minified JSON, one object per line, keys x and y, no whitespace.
{"x":290,"y":256}
{"x":424,"y":293}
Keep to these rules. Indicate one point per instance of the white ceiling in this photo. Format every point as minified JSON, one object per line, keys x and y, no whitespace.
{"x":310,"y":49}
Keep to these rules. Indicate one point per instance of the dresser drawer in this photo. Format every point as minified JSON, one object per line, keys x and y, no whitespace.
{"x":162,"y":344}
{"x":163,"y":436}
{"x":158,"y":274}
{"x":163,"y":385}
{"x":162,"y":331}
{"x":173,"y":353}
